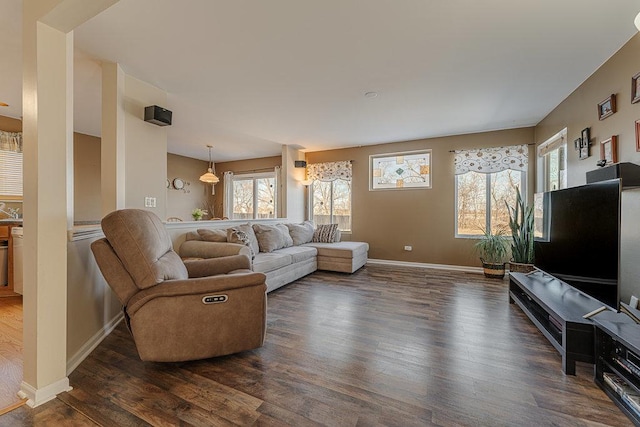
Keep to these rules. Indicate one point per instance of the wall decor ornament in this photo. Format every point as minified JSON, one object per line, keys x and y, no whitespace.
{"x":400,"y":171}
{"x":585,"y":135}
{"x":635,"y":88}
{"x":607,"y":107}
{"x":584,"y":149}
{"x":609,"y":150}
{"x":577,"y":143}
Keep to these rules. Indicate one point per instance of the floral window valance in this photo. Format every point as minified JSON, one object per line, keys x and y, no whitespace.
{"x":490,"y":160}
{"x":11,"y":141}
{"x":329,"y":171}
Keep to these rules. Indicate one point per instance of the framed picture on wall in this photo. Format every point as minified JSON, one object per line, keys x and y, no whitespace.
{"x":586,"y":136}
{"x":609,"y":150}
{"x":584,"y":150}
{"x":635,"y":88}
{"x":637,"y":135}
{"x":607,"y":107}
{"x":577,"y":143}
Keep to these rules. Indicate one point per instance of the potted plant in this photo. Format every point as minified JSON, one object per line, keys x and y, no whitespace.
{"x":521,"y":225}
{"x":198,"y":213}
{"x":493,"y":250}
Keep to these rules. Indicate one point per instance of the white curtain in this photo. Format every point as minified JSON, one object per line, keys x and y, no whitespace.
{"x":329,"y":171}
{"x":11,"y":141}
{"x":227,"y":195}
{"x":490,"y":160}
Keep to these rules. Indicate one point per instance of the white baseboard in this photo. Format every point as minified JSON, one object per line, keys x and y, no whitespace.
{"x":462,"y":268}
{"x":37,"y":397}
{"x":92,"y":343}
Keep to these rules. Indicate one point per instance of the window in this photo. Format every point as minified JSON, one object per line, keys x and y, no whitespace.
{"x":552,"y":162}
{"x":252,"y":196}
{"x":331,"y":203}
{"x":11,"y":165}
{"x":486,"y":180}
{"x":330,"y":193}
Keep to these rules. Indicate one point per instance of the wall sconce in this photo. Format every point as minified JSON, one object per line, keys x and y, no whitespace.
{"x":306,"y":182}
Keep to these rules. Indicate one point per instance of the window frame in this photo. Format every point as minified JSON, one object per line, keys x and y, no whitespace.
{"x":331,"y":214}
{"x":487,"y":222}
{"x":254,"y":177}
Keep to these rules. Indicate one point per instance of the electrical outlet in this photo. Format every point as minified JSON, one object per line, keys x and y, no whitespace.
{"x":408,"y":248}
{"x":149,"y":202}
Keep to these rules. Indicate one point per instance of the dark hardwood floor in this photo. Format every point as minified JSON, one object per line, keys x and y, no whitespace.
{"x":384,"y":346}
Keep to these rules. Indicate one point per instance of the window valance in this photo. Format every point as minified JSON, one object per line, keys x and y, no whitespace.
{"x":329,"y":171}
{"x":11,"y":141}
{"x":490,"y":160}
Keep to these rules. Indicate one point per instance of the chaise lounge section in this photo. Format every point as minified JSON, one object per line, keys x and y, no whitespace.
{"x":284,"y":264}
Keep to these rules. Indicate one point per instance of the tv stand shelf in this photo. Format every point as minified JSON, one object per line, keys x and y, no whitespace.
{"x":556,"y":308}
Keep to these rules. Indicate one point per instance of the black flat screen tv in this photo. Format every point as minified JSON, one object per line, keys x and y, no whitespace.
{"x":579,"y":238}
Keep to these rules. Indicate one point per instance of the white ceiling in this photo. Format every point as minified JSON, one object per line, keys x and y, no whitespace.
{"x":249,"y":76}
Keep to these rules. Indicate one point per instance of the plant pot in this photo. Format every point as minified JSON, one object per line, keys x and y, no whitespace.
{"x":520,"y":267}
{"x":493,"y":270}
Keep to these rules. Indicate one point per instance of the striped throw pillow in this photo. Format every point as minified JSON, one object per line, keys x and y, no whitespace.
{"x":325,"y":233}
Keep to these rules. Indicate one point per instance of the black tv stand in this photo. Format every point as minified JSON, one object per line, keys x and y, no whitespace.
{"x":556,"y":308}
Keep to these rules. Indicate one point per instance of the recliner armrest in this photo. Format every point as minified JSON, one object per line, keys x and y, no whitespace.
{"x":215,"y":266}
{"x":197,"y":286}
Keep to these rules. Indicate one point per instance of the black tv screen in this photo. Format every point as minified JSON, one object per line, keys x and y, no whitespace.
{"x":579,"y":241}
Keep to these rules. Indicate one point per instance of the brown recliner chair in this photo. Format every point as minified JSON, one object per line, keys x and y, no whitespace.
{"x":175,"y":310}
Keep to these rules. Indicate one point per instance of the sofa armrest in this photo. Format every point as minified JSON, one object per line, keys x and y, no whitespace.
{"x":202,"y":249}
{"x":196,"y":287}
{"x":216,"y":266}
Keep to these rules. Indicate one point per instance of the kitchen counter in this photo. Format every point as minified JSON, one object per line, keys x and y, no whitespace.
{"x":11,"y":221}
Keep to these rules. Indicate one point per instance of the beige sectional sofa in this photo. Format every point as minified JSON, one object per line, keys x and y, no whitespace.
{"x":282,"y":265}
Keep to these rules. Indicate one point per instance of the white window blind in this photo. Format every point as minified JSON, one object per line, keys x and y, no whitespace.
{"x":10,"y":174}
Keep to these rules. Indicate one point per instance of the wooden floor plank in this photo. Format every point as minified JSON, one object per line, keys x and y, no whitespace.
{"x":385,"y":346}
{"x":10,"y":350}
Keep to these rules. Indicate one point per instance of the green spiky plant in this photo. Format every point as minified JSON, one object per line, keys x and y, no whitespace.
{"x":493,"y":248}
{"x":521,"y":225}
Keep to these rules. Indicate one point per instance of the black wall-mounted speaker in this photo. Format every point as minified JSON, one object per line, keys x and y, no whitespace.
{"x":157,"y":115}
{"x":300,"y":163}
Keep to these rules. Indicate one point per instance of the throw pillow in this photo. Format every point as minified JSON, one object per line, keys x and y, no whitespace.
{"x":325,"y":233}
{"x":301,"y":233}
{"x":248,"y":230}
{"x":212,"y":235}
{"x":270,"y":237}
{"x":239,"y":236}
{"x":288,"y":241}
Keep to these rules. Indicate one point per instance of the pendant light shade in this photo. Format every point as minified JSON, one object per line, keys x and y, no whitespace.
{"x":210,"y":177}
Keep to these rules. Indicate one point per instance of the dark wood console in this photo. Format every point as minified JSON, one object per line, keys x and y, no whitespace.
{"x":557,"y":309}
{"x":617,"y":369}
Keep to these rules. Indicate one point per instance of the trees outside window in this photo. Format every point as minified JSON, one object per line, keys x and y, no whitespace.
{"x":331,"y":203}
{"x":480,"y":201}
{"x":254,"y":196}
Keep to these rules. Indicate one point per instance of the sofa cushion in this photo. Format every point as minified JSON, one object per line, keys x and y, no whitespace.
{"x":270,"y":237}
{"x":212,"y":235}
{"x":288,"y":240}
{"x":269,"y":261}
{"x":325,"y":233}
{"x":299,"y":253}
{"x":248,"y":230}
{"x":340,"y":249}
{"x":301,"y":233}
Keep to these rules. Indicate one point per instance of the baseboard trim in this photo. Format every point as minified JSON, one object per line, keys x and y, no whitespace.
{"x":36,"y":397}
{"x":92,"y":343}
{"x":462,"y":268}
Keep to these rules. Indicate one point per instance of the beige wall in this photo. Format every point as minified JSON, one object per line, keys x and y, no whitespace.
{"x":195,"y":195}
{"x":145,"y":148}
{"x":389,"y":220}
{"x":252,"y":165}
{"x":579,"y":111}
{"x":86,"y":178}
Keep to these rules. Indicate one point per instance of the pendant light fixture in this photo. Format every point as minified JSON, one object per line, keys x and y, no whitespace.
{"x":210,"y":177}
